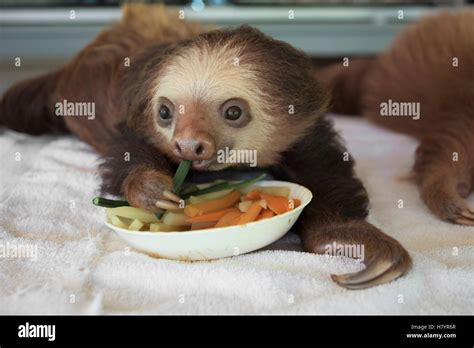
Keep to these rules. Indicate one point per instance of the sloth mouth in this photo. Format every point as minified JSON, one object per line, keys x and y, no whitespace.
{"x":202,"y":164}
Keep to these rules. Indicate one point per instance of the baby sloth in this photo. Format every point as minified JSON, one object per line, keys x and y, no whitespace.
{"x":430,"y":68}
{"x":189,"y":92}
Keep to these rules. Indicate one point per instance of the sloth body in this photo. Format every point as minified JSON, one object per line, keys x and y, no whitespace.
{"x":430,"y":63}
{"x":189,"y":92}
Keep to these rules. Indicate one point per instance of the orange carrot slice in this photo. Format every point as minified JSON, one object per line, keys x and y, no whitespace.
{"x":278,"y":204}
{"x":296,"y":202}
{"x":227,"y":201}
{"x":202,"y":225}
{"x":253,"y":195}
{"x":251,"y":214}
{"x":265,"y":214}
{"x":228,"y":218}
{"x":214,"y":216}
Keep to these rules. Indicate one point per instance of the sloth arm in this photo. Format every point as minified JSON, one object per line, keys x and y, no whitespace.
{"x":339,"y":207}
{"x":135,"y":169}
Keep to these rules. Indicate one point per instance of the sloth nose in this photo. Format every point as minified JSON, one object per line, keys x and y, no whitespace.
{"x":193,"y":149}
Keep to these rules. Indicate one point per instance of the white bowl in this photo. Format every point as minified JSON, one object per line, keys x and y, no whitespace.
{"x":221,"y":242}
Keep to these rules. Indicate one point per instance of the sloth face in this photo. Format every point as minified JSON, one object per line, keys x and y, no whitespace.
{"x":231,"y":89}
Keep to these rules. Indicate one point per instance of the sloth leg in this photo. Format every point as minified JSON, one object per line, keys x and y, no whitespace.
{"x":385,"y":259}
{"x":444,"y":170}
{"x":336,"y":215}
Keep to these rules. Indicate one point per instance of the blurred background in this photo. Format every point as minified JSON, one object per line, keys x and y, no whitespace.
{"x":44,"y":34}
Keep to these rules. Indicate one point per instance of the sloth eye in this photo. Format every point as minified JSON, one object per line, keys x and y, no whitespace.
{"x":165,"y":113}
{"x":236,"y":112}
{"x":233,"y":113}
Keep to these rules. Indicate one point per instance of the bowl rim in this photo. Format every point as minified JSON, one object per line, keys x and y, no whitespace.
{"x":228,"y":228}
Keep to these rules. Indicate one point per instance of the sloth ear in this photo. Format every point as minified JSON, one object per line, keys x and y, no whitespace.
{"x":28,"y":106}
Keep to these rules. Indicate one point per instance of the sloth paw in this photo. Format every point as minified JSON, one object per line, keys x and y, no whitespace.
{"x":446,"y":200}
{"x":385,"y":259}
{"x":150,"y":189}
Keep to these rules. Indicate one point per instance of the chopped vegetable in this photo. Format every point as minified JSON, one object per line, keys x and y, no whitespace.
{"x":116,"y":221}
{"x":171,"y":218}
{"x":273,"y":190}
{"x":277,"y":204}
{"x":214,"y":205}
{"x":213,"y":188}
{"x":240,"y":185}
{"x":244,"y":206}
{"x":296,"y":202}
{"x":161,"y":227}
{"x":214,"y":216}
{"x":133,"y":213}
{"x":209,"y":196}
{"x":254,"y":194}
{"x":190,"y":188}
{"x":227,"y":219}
{"x":136,"y":225}
{"x":180,"y":175}
{"x":265,"y":214}
{"x":108,"y":203}
{"x":251,"y":214}
{"x":202,"y":225}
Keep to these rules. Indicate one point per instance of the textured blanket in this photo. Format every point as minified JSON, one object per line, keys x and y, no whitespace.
{"x":57,"y":257}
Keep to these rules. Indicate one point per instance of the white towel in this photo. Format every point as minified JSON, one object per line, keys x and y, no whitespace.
{"x":74,"y":264}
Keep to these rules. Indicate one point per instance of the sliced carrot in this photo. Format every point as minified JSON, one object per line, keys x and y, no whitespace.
{"x":253,"y":195}
{"x":278,"y":204}
{"x":227,"y":201}
{"x":227,"y":219}
{"x":265,"y":214}
{"x":214,"y":216}
{"x":296,"y":202}
{"x":251,"y":214}
{"x":202,"y":225}
{"x":245,"y":205}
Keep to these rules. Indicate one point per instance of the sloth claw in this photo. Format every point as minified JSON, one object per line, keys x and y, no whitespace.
{"x":166,"y":205}
{"x":391,"y":274}
{"x":462,"y":221}
{"x":171,"y":196}
{"x":376,"y":273}
{"x":463,"y":216}
{"x":170,"y":203}
{"x":372,"y":271}
{"x":448,"y":204}
{"x":385,"y":259}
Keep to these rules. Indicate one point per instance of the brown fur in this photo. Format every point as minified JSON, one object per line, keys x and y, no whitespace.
{"x":192,"y":68}
{"x":418,"y":68}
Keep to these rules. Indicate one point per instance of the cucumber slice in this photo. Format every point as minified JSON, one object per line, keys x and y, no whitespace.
{"x":180,"y":175}
{"x":136,"y":225}
{"x":133,"y":213}
{"x":239,"y":185}
{"x":109,"y":203}
{"x":116,"y":221}
{"x":273,"y":190}
{"x":178,"y":219}
{"x":209,"y":196}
